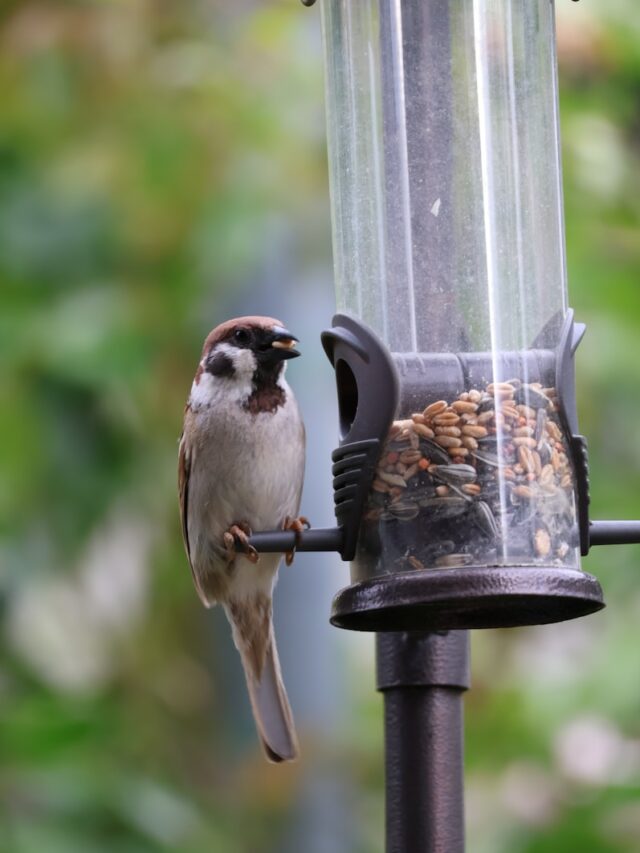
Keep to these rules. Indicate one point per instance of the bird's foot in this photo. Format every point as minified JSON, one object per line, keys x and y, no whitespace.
{"x":236,"y":540}
{"x":297,"y":525}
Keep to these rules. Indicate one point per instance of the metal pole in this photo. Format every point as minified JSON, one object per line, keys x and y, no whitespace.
{"x":614,"y":533}
{"x":423,"y":677}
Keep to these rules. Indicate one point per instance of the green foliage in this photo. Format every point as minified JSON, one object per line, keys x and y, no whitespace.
{"x":144,"y":148}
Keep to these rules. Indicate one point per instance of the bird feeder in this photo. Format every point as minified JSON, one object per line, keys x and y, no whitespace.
{"x":461,"y":482}
{"x":449,"y":245}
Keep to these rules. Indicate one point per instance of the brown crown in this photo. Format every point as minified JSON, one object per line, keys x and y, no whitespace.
{"x":224,"y":331}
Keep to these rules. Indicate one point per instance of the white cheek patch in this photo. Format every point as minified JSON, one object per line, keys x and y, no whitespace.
{"x":244,"y":361}
{"x":210,"y":390}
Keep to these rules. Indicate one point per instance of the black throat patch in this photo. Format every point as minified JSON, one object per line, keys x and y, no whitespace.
{"x":267,"y":395}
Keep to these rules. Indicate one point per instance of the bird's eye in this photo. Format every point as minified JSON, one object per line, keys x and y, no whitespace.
{"x":242,"y":337}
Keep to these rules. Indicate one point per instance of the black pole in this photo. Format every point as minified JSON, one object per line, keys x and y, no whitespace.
{"x":614,"y":533}
{"x":423,"y":677}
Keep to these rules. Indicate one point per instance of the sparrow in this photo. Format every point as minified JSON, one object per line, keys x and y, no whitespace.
{"x":240,"y":469}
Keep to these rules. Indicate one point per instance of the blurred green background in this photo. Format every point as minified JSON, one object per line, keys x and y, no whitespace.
{"x":160,"y":165}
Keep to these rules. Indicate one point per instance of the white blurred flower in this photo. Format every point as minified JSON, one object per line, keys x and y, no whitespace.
{"x":65,"y":627}
{"x":50,"y":626}
{"x":592,"y":751}
{"x":114,"y":574}
{"x":529,"y":793}
{"x":159,"y":813}
{"x":561,"y":653}
{"x":598,"y":153}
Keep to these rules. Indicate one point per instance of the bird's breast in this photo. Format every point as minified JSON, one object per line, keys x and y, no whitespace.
{"x":247,"y":467}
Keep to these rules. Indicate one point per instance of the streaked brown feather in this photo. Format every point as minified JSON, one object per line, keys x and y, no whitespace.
{"x":211,"y":586}
{"x":184,"y":472}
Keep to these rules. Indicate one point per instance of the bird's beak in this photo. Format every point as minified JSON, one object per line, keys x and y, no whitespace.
{"x":284,"y":342}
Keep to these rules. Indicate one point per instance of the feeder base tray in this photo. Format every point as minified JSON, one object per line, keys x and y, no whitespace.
{"x":470,"y":597}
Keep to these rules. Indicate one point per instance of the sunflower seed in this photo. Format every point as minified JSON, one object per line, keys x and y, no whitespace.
{"x":392,"y":479}
{"x":452,"y":561}
{"x":486,"y":458}
{"x":446,"y":507}
{"x":404,"y":510}
{"x":485,"y":519}
{"x":455,"y":473}
{"x":434,"y":452}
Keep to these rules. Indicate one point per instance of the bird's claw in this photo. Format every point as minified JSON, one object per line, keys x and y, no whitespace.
{"x":236,"y":539}
{"x":297,"y":525}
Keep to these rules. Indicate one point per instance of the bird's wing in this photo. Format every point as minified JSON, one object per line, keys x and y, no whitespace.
{"x":184,"y":471}
{"x":185,"y":467}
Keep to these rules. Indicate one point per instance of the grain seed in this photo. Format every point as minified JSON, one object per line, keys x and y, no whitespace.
{"x":474,"y":430}
{"x":522,"y":492}
{"x":471,"y":488}
{"x":448,"y":441}
{"x":485,"y":417}
{"x":458,"y":451}
{"x":464,"y":407}
{"x":542,"y":542}
{"x":435,"y":408}
{"x":525,"y":442}
{"x":423,"y":430}
{"x":448,"y":430}
{"x":446,"y":419}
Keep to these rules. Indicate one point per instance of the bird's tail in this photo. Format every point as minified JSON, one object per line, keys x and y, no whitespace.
{"x":271,"y":709}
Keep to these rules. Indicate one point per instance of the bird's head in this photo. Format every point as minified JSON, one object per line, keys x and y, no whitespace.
{"x":247,"y":351}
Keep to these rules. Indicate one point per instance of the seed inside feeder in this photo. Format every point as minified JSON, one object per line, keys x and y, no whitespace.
{"x":485,"y":479}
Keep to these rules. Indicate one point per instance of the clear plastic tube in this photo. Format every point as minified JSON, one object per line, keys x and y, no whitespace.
{"x":449,"y":242}
{"x":445,"y":170}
